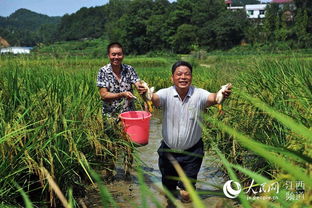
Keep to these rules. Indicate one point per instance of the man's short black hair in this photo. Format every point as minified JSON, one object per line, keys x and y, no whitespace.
{"x":114,"y":44}
{"x":181,"y":63}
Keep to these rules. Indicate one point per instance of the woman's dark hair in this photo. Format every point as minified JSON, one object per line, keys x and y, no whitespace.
{"x":114,"y":44}
{"x":181,"y":63}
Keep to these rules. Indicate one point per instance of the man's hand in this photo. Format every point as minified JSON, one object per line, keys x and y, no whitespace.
{"x":141,"y":89}
{"x":223,"y":93}
{"x":227,"y":92}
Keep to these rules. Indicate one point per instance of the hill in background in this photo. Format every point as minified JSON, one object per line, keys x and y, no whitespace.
{"x":143,"y":26}
{"x":24,"y":27}
{"x":25,"y":19}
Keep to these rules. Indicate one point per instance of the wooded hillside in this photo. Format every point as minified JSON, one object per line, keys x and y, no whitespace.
{"x":158,"y":25}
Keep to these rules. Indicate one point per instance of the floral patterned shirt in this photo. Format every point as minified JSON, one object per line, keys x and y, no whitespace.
{"x":106,"y":79}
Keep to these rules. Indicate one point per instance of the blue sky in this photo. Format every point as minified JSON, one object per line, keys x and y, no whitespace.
{"x":48,"y":7}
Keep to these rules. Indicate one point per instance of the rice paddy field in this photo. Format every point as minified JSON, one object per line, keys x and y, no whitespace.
{"x":52,"y":142}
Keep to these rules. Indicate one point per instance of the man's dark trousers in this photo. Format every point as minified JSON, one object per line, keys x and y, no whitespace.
{"x":190,"y":164}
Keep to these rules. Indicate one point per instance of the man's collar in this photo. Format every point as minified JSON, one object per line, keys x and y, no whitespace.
{"x":189,"y":92}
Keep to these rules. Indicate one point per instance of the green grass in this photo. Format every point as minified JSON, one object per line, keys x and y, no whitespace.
{"x":85,"y":48}
{"x":50,"y":117}
{"x":268,"y":118}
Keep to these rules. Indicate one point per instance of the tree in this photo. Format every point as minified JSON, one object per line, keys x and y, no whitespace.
{"x":23,"y":27}
{"x":92,"y":20}
{"x":206,"y":10}
{"x":228,"y":29}
{"x":132,"y":28}
{"x":115,"y":9}
{"x":185,"y":38}
{"x":271,"y":22}
{"x":46,"y":33}
{"x":304,"y":38}
{"x":306,"y":5}
{"x":156,"y":32}
{"x":161,"y":7}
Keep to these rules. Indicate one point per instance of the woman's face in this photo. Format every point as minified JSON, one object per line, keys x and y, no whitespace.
{"x":115,"y":56}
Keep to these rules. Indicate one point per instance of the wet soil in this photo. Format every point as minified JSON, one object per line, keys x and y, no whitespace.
{"x":126,"y":190}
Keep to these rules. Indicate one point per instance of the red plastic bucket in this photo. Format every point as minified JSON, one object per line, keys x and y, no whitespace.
{"x":136,"y":125}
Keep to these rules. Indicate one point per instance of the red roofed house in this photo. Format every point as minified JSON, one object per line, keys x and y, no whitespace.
{"x":228,"y":2}
{"x":282,"y":1}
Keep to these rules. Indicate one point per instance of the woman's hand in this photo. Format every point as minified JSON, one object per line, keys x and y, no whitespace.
{"x":128,"y":95}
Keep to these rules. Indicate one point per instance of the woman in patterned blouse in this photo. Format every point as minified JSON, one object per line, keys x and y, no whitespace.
{"x":115,"y":83}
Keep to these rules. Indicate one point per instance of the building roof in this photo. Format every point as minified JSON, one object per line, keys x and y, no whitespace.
{"x":228,"y":1}
{"x":282,"y":1}
{"x":255,"y":6}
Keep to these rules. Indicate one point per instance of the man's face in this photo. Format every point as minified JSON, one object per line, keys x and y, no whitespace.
{"x":182,"y":77}
{"x":115,"y":56}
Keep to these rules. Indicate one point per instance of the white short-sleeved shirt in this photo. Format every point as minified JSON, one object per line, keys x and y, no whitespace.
{"x":180,"y":127}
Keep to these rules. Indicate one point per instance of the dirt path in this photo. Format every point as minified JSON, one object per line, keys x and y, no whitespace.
{"x":127,"y":193}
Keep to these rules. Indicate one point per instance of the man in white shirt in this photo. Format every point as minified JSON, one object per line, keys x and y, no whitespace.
{"x":182,"y":105}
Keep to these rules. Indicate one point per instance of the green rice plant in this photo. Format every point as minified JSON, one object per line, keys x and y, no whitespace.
{"x":51,"y":118}
{"x":242,"y":196}
{"x":106,"y":197}
{"x":146,"y":62}
{"x":145,"y":191}
{"x":26,"y":199}
{"x":195,"y":198}
{"x":284,"y":159}
{"x":259,"y":149}
{"x":282,"y":84}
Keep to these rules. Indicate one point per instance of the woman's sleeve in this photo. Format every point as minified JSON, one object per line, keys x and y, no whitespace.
{"x":133,"y":76}
{"x":102,"y":80}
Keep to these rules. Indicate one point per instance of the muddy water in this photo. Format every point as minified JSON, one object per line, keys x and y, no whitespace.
{"x":126,"y":191}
